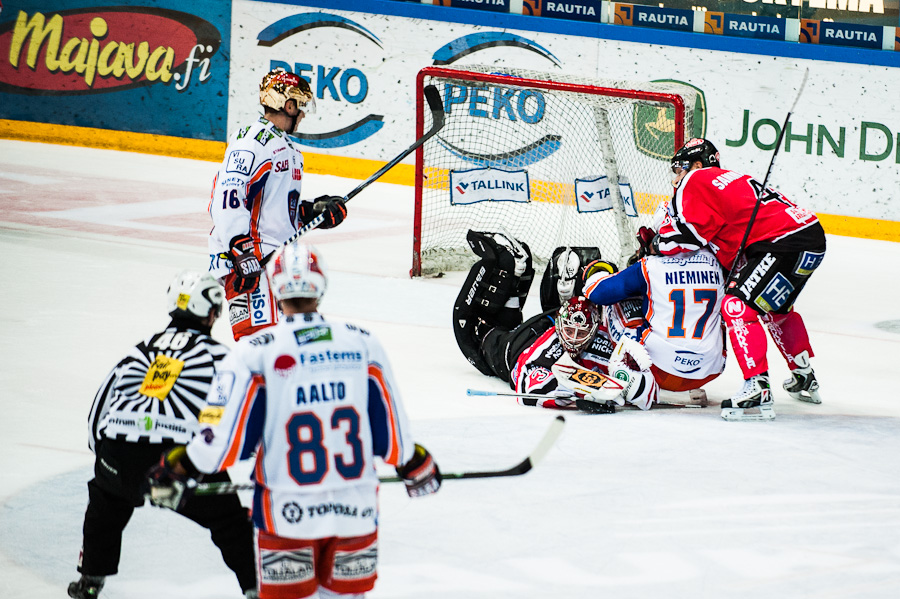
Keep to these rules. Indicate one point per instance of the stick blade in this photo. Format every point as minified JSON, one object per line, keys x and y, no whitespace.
{"x":549,"y":440}
{"x":435,"y":104}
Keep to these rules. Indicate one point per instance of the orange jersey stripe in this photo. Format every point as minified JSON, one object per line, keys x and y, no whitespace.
{"x":393,"y":457}
{"x":240,"y":427}
{"x":256,"y":211}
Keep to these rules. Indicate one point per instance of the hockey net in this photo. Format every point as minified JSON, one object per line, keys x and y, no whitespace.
{"x":550,"y":159}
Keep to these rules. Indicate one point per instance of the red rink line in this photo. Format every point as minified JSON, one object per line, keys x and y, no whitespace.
{"x":69,"y":202}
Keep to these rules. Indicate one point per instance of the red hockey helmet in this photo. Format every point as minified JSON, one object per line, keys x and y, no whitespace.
{"x":576,"y":324}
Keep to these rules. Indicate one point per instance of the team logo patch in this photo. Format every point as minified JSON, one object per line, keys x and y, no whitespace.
{"x":312,"y":335}
{"x":211,"y":415}
{"x":161,"y":377}
{"x":537,"y":376}
{"x":733,"y":307}
{"x":286,"y":567}
{"x":238,"y":309}
{"x":292,"y":512}
{"x":355,"y":565}
{"x":808,"y":262}
{"x":775,"y":295}
{"x":224,"y":382}
{"x":240,"y":161}
{"x":284,"y":364}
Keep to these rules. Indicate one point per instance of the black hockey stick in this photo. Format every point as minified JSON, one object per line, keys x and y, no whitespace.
{"x":548,"y":440}
{"x":663,"y":405}
{"x":762,"y":189}
{"x":436,"y":105}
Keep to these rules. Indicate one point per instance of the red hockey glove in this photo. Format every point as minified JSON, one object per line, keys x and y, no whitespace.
{"x":173,"y":480}
{"x":420,"y":475}
{"x":247,"y":268}
{"x":333,"y":208}
{"x":645,"y":237}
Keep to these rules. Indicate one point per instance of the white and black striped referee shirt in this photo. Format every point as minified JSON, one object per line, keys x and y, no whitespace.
{"x":157,"y":392}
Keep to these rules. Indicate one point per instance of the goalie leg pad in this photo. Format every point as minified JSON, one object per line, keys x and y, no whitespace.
{"x":563,"y":276}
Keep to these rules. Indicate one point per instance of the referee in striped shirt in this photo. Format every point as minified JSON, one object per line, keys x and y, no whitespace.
{"x":153,"y":400}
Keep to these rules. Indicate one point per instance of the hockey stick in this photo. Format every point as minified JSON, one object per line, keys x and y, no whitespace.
{"x":762,"y":189}
{"x":539,"y":396}
{"x":436,"y":105}
{"x":548,"y":440}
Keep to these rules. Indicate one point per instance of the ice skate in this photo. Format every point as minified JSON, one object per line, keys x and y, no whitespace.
{"x":86,"y":587}
{"x":753,"y":402}
{"x":803,"y":384}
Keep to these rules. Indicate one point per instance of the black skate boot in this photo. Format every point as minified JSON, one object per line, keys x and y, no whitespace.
{"x":86,"y":587}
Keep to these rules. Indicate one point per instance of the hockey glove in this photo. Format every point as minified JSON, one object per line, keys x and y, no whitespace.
{"x":247,"y":268}
{"x":333,"y":209}
{"x":173,"y":481}
{"x":645,"y":237}
{"x":420,"y":475}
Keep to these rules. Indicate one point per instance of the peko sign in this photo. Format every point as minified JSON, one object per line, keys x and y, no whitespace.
{"x":127,"y":67}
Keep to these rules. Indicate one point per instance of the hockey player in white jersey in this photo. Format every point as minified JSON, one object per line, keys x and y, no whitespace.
{"x":316,"y":401}
{"x":255,"y":204}
{"x":150,"y":403}
{"x":680,"y":344}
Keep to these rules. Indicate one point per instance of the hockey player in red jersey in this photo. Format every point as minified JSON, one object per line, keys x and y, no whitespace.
{"x":712,"y":208}
{"x":255,"y":204}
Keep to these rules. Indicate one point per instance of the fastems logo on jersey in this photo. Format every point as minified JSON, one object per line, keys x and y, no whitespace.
{"x":97,"y":50}
{"x":654,"y":125}
{"x":339,"y":83}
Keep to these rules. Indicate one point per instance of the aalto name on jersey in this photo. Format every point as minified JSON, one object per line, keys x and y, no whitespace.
{"x":333,"y":391}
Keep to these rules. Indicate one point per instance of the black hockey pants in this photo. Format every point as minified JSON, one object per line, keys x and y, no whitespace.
{"x":115,"y":491}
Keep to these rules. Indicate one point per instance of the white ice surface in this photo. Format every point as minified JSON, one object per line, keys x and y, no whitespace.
{"x":665,"y":504}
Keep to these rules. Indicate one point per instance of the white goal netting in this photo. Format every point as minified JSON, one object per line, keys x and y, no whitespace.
{"x":547,"y":158}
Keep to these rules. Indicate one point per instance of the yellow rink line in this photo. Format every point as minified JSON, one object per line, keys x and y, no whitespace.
{"x":354,"y":168}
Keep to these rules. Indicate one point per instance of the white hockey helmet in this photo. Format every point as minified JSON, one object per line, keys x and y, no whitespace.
{"x":193,"y":294}
{"x":297,"y":270}
{"x":279,"y":86}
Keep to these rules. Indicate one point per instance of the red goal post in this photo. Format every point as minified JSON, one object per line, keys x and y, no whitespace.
{"x":550,"y":159}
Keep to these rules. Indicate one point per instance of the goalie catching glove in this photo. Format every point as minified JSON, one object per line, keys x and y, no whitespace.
{"x":332,"y":208}
{"x":172,"y":481}
{"x":247,"y":268}
{"x":420,"y":474}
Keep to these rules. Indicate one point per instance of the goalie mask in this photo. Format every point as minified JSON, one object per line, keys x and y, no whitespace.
{"x":279,"y":86}
{"x":576,"y":324}
{"x":297,"y":270}
{"x":193,"y":295}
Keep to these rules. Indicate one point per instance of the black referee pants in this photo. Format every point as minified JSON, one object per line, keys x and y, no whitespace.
{"x":117,"y":488}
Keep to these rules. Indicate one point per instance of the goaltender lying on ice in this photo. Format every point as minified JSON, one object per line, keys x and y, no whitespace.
{"x":604,"y":338}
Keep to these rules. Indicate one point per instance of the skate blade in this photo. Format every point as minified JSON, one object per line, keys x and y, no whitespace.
{"x":808,"y":396}
{"x":748,"y":414}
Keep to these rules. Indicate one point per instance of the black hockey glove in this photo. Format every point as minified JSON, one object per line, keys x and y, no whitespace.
{"x":173,"y":480}
{"x":247,"y":268}
{"x":420,"y":474}
{"x":334,"y":209}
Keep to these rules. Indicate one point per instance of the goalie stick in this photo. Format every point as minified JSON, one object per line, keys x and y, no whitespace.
{"x":436,"y":105}
{"x":548,"y":440}
{"x":762,"y":189}
{"x":703,"y":402}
